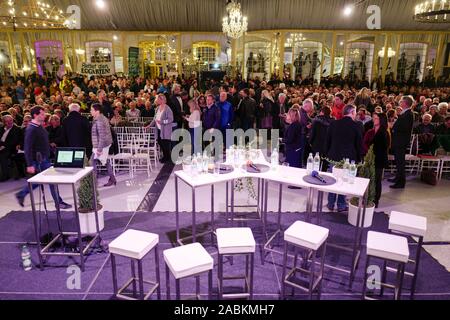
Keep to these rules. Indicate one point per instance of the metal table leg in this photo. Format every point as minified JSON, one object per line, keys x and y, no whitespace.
{"x":177,"y":212}
{"x":77,"y":218}
{"x":36,"y":228}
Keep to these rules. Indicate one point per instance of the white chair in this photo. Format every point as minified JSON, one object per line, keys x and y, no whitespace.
{"x":410,"y":225}
{"x":135,"y":245}
{"x":141,"y":153}
{"x":124,"y":159}
{"x":232,"y":242}
{"x":310,"y":238}
{"x":389,"y":248}
{"x":445,"y":165}
{"x":191,"y":260}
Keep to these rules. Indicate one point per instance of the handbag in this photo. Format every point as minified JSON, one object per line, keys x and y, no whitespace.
{"x":266,"y":122}
{"x":429,"y":177}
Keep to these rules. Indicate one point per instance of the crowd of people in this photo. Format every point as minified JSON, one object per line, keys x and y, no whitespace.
{"x":333,"y":119}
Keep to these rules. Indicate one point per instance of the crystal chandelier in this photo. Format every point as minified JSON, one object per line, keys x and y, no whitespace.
{"x":434,"y":11}
{"x":294,"y":40}
{"x":234,"y":25}
{"x":32,"y":14}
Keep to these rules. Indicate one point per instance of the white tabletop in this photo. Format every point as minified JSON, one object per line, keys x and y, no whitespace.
{"x":52,"y":176}
{"x":285,"y":175}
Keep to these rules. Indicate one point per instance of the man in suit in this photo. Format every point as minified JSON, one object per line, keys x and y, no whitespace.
{"x":77,"y":130}
{"x":247,"y":109}
{"x":176,"y":104}
{"x":344,"y":140}
{"x":10,"y":136}
{"x":401,"y":137}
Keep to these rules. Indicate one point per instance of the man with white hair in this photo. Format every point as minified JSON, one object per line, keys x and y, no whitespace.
{"x":77,"y":130}
{"x":443,"y":109}
{"x":305,"y":123}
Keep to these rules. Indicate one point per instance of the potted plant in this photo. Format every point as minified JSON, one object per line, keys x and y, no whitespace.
{"x":337,"y":167}
{"x":87,"y":208}
{"x":366,"y":170}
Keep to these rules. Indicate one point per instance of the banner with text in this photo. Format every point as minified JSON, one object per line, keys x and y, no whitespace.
{"x":97,"y":69}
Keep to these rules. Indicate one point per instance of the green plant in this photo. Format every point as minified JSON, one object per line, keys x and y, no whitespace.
{"x":86,"y":193}
{"x":246,"y":183}
{"x":367,"y":171}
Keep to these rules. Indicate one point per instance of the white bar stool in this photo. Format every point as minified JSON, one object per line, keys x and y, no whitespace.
{"x":190,"y":260}
{"x":309,"y":238}
{"x":409,"y":225}
{"x":391,"y":248}
{"x":135,"y":245}
{"x":232,"y":242}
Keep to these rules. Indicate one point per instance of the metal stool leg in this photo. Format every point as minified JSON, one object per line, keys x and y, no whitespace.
{"x":197,"y":286}
{"x":311,"y":280}
{"x":210,"y":279}
{"x":114,"y":274}
{"x":141,"y":280}
{"x":220,"y":276}
{"x":283,"y":275}
{"x":158,"y":278}
{"x":252,"y":267}
{"x":322,"y":264}
{"x":416,"y":268}
{"x":383,"y":277}
{"x":167,"y":282}
{"x":133,"y":274}
{"x":177,"y":289}
{"x":365,"y":278}
{"x":401,"y":273}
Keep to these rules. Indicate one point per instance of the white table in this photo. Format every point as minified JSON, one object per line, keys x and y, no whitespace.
{"x":52,"y":176}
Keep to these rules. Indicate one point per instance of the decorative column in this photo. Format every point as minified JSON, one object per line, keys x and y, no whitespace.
{"x":281,"y":40}
{"x":333,"y":53}
{"x":24,"y":56}
{"x":74,"y":53}
{"x":439,"y":56}
{"x":179,"y":65}
{"x":233,"y":56}
{"x":124,"y":53}
{"x":387,"y":40}
{"x":12,"y":52}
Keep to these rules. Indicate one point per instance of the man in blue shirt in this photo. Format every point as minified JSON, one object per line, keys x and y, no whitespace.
{"x":226,"y":115}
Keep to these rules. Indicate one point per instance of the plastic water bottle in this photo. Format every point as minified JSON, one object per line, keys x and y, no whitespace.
{"x":310,"y":164}
{"x":205,"y":162}
{"x":352,"y":172}
{"x":199,"y":163}
{"x":317,"y":162}
{"x":194,"y":166}
{"x":346,"y":170}
{"x":236,"y":158}
{"x":274,"y":159}
{"x":26,"y":259}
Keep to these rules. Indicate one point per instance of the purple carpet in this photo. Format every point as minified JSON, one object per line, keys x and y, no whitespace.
{"x":96,"y":282}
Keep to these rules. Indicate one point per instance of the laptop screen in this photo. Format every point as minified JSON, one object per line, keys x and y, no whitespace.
{"x":70,"y":158}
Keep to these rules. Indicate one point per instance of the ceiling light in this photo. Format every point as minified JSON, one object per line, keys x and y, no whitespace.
{"x":100,"y":4}
{"x":115,"y":37}
{"x":348,"y":10}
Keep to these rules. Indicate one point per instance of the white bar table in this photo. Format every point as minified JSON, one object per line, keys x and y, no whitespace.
{"x":294,"y":176}
{"x":56,"y":177}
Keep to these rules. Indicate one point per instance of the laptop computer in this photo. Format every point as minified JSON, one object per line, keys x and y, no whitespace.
{"x":68,"y":161}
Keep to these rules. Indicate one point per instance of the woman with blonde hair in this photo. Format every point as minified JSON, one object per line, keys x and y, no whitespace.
{"x":363,"y":98}
{"x":195,"y":126}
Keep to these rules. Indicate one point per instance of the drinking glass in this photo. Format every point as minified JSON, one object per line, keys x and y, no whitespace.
{"x":217,"y":169}
{"x":285,"y":173}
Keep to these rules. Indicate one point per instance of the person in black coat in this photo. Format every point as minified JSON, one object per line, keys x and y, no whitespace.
{"x":55,"y":135}
{"x":379,"y":139}
{"x":401,"y":137}
{"x":344,"y":140}
{"x":77,"y":130}
{"x":10,"y":136}
{"x":319,"y":133}
{"x":176,"y":104}
{"x":292,"y":138}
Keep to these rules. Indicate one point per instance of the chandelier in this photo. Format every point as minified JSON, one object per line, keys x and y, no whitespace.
{"x":32,"y":14}
{"x":234,"y":25}
{"x":433,"y":11}
{"x":294,"y":40}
